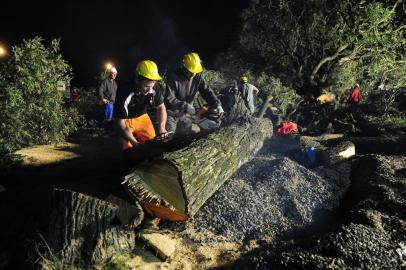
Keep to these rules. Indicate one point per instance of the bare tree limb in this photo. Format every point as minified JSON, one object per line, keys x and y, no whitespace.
{"x":325,"y":60}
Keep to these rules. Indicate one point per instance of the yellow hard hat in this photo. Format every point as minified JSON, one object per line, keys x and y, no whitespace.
{"x":192,"y":62}
{"x":148,"y":69}
{"x":244,"y":78}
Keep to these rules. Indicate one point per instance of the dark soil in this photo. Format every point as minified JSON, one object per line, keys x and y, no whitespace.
{"x":25,"y":206}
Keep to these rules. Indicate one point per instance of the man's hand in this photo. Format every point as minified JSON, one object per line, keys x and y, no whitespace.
{"x":162,"y":131}
{"x":134,"y":142}
{"x":105,"y":101}
{"x":164,"y":136}
{"x":220,"y":110}
{"x":216,"y":113}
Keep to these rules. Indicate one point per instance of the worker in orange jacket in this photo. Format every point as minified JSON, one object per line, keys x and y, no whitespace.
{"x":134,"y":125}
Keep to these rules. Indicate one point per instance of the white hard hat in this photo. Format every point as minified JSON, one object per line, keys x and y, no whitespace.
{"x":113,"y":70}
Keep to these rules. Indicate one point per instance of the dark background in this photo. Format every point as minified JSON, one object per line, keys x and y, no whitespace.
{"x":124,"y":32}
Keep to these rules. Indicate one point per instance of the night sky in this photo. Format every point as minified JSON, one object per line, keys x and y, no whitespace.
{"x":124,"y":32}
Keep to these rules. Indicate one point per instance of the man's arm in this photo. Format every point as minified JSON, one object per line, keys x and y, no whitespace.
{"x":170,"y":98}
{"x":125,"y":132}
{"x":208,"y":94}
{"x":255,"y":90}
{"x":161,"y":116}
{"x":102,"y":88}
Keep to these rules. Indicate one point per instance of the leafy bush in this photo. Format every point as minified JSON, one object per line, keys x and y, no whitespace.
{"x":284,"y":98}
{"x":317,"y":45}
{"x":32,"y":107}
{"x":89,"y":105}
{"x":216,"y":80}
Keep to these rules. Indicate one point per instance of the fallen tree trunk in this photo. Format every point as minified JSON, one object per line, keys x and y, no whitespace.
{"x":175,"y":186}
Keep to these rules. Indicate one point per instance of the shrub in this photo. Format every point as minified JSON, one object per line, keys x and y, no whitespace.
{"x":284,"y":98}
{"x":31,"y":104}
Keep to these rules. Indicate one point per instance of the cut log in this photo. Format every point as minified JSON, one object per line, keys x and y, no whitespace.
{"x":175,"y":186}
{"x":85,"y":230}
{"x":336,"y":153}
{"x":395,"y":145}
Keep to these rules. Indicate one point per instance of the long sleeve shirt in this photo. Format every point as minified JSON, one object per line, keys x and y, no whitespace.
{"x":181,"y":90}
{"x":131,"y":104}
{"x":247,"y":92}
{"x":108,"y":89}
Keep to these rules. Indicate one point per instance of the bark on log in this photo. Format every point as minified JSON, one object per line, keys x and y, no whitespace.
{"x":85,"y":230}
{"x":176,"y":185}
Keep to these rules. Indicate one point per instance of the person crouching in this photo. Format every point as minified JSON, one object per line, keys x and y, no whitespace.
{"x":133,"y":123}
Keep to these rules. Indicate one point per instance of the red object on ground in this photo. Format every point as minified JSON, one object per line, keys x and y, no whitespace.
{"x":355,"y":95}
{"x":287,"y":128}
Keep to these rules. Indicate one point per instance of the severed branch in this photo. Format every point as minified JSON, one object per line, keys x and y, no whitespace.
{"x":325,"y":60}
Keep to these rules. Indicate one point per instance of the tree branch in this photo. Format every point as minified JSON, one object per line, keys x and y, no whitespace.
{"x":325,"y":60}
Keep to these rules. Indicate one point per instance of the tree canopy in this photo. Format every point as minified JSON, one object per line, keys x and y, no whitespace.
{"x":313,"y":45}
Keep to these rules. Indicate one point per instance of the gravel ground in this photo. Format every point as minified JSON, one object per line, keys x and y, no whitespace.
{"x":370,"y":235}
{"x":268,"y":196}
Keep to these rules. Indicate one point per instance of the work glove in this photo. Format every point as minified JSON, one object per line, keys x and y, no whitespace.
{"x":189,"y":109}
{"x":220,"y":110}
{"x":216,"y":113}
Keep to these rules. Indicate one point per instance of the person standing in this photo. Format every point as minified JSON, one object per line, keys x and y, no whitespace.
{"x":355,"y":96}
{"x":247,"y":92}
{"x":354,"y":99}
{"x":108,"y":92}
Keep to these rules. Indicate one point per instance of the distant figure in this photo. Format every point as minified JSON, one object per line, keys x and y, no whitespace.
{"x":354,"y":100}
{"x":74,"y":96}
{"x":107,"y":93}
{"x":247,"y":92}
{"x":355,"y":96}
{"x":182,"y":87}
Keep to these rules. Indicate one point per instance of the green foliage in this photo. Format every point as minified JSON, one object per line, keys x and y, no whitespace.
{"x":216,"y":80}
{"x":325,"y":44}
{"x":377,"y":59}
{"x":391,"y":121}
{"x":284,"y":98}
{"x":32,"y":111}
{"x":89,"y":105}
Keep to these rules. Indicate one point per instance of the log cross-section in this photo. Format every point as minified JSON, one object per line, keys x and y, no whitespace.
{"x":176,"y":185}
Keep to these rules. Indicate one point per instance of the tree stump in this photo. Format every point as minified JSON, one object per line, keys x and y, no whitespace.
{"x":85,"y":230}
{"x":176,"y":185}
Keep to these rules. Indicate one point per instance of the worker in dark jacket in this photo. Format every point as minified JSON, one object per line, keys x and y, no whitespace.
{"x":107,"y":93}
{"x":134,"y":125}
{"x":182,"y":87}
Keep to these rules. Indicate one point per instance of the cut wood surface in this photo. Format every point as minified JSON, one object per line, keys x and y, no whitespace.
{"x":176,"y":185}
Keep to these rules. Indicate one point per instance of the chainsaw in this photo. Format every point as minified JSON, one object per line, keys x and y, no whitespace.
{"x":207,"y":118}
